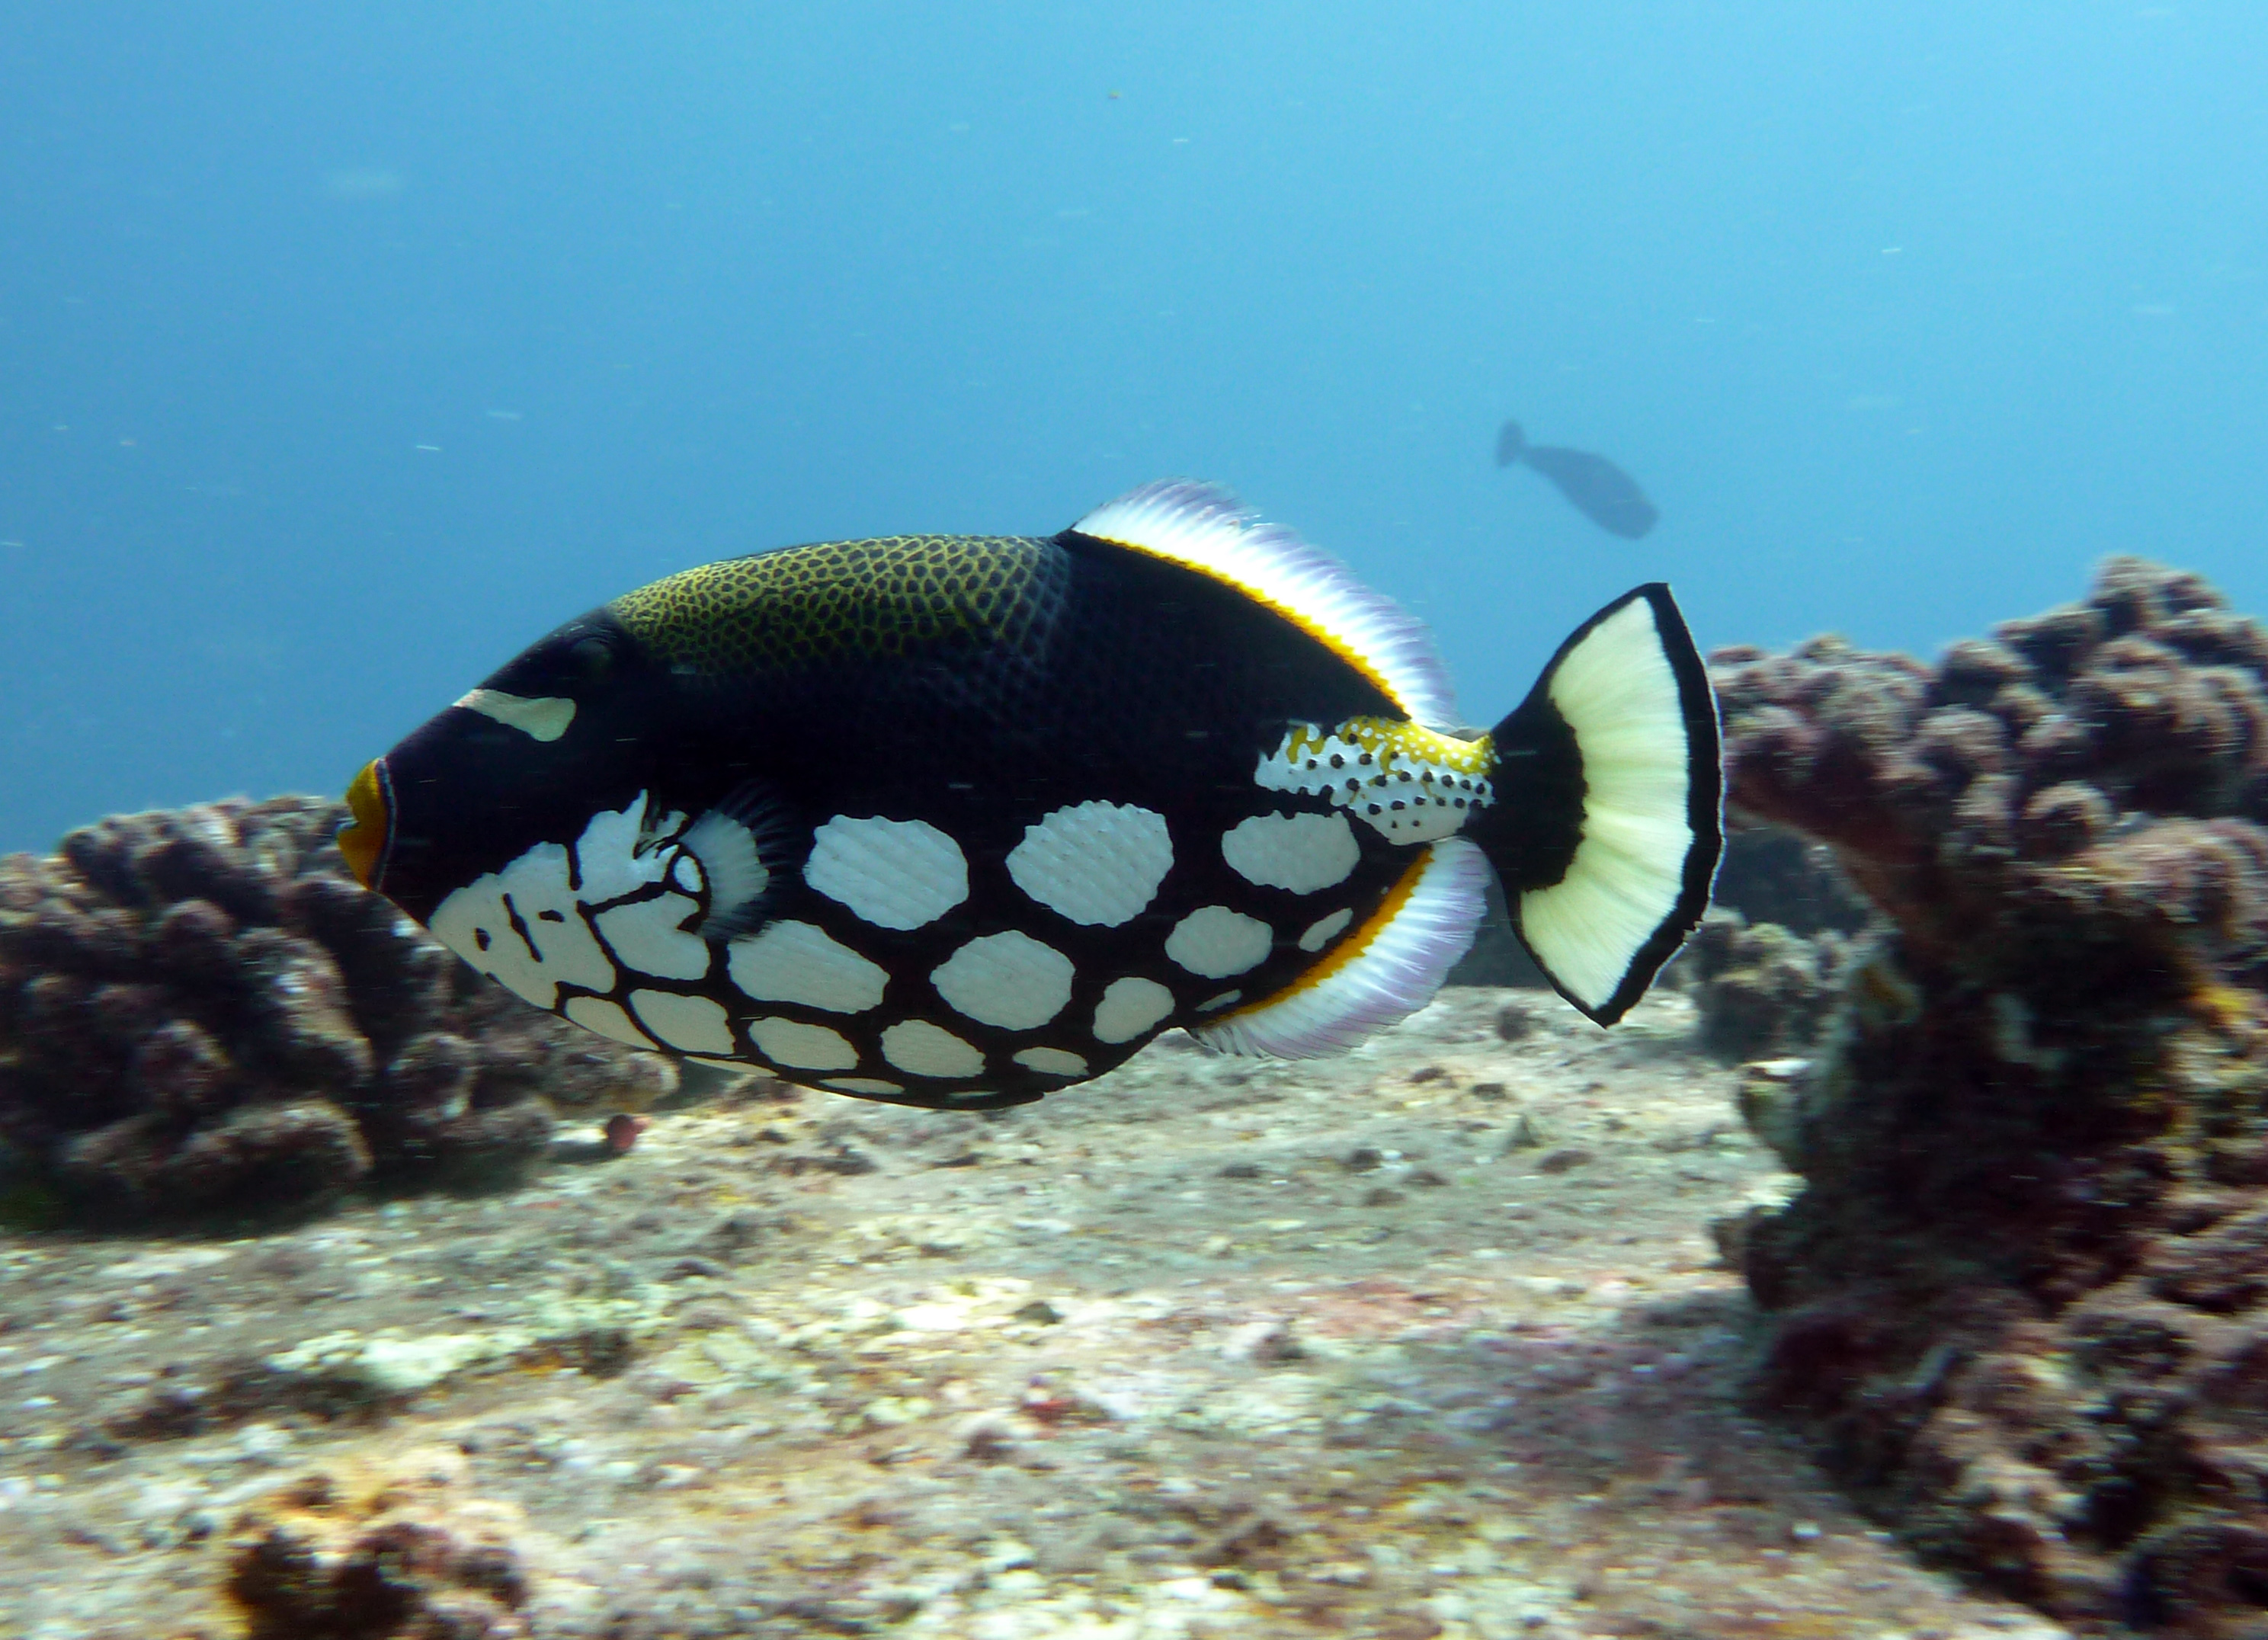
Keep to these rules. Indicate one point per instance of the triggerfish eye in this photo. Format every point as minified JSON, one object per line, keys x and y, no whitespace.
{"x":362,"y":839}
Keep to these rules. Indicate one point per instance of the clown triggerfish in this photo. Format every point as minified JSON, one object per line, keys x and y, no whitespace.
{"x":958,"y":820}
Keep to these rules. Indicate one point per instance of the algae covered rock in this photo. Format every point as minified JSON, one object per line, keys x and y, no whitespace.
{"x":2022,"y":1297}
{"x":201,"y":1008}
{"x":399,"y":1551}
{"x":1760,"y":990}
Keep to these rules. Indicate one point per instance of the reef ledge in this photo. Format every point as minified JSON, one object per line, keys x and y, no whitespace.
{"x":2021,"y":1299}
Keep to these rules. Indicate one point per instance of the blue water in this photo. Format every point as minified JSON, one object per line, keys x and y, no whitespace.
{"x":345,"y":349}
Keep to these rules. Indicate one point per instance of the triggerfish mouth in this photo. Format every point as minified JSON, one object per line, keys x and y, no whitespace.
{"x":959,"y":820}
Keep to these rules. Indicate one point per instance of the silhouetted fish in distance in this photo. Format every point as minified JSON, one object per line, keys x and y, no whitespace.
{"x":1599,"y":490}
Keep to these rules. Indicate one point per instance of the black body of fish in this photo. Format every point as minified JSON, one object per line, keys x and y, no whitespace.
{"x":1594,"y":486}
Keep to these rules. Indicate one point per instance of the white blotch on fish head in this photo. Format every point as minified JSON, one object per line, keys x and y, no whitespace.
{"x":541,"y":717}
{"x":523,"y":927}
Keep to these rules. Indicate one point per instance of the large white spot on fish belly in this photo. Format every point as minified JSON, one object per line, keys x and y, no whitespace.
{"x":804,"y":1047}
{"x":596,"y":1013}
{"x":647,"y":936}
{"x":1321,"y":933}
{"x":1129,"y":1007}
{"x":1217,"y":942}
{"x":1052,"y":1061}
{"x":542,"y":717}
{"x":691,"y":1024}
{"x":1214,"y":1004}
{"x":894,"y":873}
{"x":523,"y":927}
{"x":860,"y":1084}
{"x":1095,"y":862}
{"x":929,"y":1050}
{"x":1300,"y":852}
{"x":1009,"y":980}
{"x":799,"y":962}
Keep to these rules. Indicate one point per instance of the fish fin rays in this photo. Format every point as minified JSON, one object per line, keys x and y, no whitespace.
{"x":1609,"y":824}
{"x":742,"y":845}
{"x":1384,"y":971}
{"x":1203,"y":527}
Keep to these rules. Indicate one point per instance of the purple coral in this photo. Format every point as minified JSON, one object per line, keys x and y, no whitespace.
{"x":2023,"y":1294}
{"x":200,"y":1009}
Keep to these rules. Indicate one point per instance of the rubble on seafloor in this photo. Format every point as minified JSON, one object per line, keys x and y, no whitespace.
{"x":397,"y":1548}
{"x":2021,"y":1299}
{"x":200,"y":1009}
{"x":1423,"y":1342}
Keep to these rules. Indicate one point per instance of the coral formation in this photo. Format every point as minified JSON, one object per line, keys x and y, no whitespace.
{"x":1759,"y":990}
{"x":2023,"y":1293}
{"x":1769,"y":875}
{"x":200,"y":1008}
{"x":399,"y":1553}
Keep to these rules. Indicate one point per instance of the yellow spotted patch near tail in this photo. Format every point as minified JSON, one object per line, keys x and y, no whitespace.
{"x":889,"y":598}
{"x":1396,"y":743}
{"x":1410,"y":784}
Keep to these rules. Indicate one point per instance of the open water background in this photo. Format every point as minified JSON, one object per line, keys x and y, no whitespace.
{"x":345,"y":349}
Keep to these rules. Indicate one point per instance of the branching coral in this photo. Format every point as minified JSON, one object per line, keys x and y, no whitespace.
{"x":2024,"y":1291}
{"x":200,"y":1008}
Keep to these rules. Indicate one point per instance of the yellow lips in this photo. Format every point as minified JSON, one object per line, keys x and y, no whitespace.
{"x":363,"y":839}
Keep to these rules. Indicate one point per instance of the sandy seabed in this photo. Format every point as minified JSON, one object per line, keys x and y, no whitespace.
{"x":1430,"y":1339}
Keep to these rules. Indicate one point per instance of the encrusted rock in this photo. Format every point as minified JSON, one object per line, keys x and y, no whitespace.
{"x":399,"y":1552}
{"x":1759,"y":990}
{"x":200,"y":1009}
{"x":2023,"y":1295}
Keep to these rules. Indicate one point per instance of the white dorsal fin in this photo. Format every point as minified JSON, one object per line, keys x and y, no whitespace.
{"x":1204,"y":527}
{"x":1388,"y":969}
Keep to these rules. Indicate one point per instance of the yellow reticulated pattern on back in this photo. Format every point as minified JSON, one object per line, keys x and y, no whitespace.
{"x":887,"y":597}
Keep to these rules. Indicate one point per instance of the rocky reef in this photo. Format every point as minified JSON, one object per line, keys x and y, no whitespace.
{"x":1760,"y":990}
{"x":2022,"y":1295}
{"x":397,"y":1551}
{"x":200,"y":1009}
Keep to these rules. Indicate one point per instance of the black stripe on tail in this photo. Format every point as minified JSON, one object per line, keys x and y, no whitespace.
{"x":1608,"y":818}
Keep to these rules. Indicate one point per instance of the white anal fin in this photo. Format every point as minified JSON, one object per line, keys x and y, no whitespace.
{"x":1621,"y":733}
{"x":1382,"y":972}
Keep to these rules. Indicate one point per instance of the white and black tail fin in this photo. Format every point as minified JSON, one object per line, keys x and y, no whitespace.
{"x":1608,"y":819}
